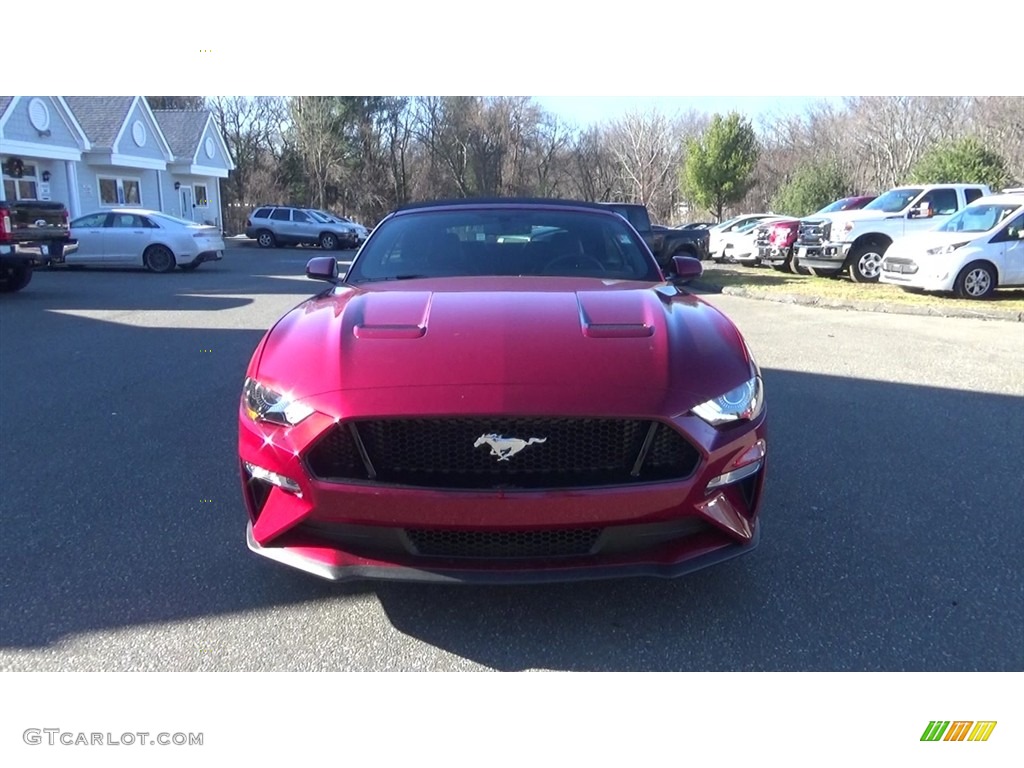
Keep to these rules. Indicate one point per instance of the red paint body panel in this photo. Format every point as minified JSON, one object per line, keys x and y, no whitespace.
{"x":784,"y":233}
{"x":490,"y":347}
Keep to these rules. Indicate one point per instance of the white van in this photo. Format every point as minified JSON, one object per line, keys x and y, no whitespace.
{"x":979,"y":249}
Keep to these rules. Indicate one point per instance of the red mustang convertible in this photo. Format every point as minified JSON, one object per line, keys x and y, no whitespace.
{"x":502,"y":391}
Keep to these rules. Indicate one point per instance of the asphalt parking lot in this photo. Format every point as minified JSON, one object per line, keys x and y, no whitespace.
{"x":892,"y":536}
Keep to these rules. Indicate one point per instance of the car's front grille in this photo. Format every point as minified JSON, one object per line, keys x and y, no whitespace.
{"x":503,"y":453}
{"x":568,"y":542}
{"x":814,"y":233}
{"x":763,"y":236}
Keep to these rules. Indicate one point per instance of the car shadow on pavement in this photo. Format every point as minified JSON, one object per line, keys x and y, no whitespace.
{"x":892,"y":533}
{"x":122,"y":505}
{"x":891,"y":541}
{"x":132,"y":289}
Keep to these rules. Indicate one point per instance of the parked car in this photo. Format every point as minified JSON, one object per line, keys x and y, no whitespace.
{"x":718,"y":234}
{"x":140,"y":237}
{"x":361,"y":232}
{"x":774,"y":241}
{"x":856,"y":241}
{"x":739,"y":246}
{"x":502,"y":390}
{"x":853,"y":203}
{"x":277,"y":225}
{"x":664,"y":242}
{"x":33,"y":233}
{"x":973,"y":253}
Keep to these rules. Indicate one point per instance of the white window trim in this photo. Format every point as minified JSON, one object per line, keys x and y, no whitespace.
{"x":195,"y":196}
{"x":34,"y":178}
{"x":119,"y":180}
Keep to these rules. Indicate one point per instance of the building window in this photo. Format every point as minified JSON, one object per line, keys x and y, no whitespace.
{"x":200,"y":193}
{"x":120,"y":191}
{"x":23,"y":187}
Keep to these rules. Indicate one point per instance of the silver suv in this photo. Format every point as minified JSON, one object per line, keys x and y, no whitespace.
{"x":274,"y":225}
{"x":361,"y":232}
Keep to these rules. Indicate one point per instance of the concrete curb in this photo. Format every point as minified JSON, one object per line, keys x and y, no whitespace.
{"x":1007,"y":315}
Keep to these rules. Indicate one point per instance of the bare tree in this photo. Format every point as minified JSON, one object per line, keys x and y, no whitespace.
{"x":893,"y":132}
{"x":648,"y":149}
{"x":998,"y":121}
{"x":251,"y":128}
{"x":317,"y":137}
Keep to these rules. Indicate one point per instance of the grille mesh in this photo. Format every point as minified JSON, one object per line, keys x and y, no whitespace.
{"x":504,"y":544}
{"x":456,"y":453}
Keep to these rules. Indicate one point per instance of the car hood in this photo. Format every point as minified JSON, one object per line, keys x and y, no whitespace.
{"x":917,"y":244}
{"x":841,"y":217}
{"x":472,"y":344}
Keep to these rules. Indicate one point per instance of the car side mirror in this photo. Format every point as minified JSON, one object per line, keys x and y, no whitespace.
{"x":687,"y":269}
{"x":322,"y":268}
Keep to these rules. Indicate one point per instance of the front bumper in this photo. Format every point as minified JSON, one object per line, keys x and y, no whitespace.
{"x":911,"y":274}
{"x":365,"y":530}
{"x":826,"y":256}
{"x":773,"y":255}
{"x":335,"y":565}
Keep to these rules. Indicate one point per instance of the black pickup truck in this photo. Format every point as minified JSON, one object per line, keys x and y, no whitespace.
{"x":663,"y":241}
{"x":33,"y":233}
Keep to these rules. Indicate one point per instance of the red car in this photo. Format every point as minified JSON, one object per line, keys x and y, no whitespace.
{"x":502,"y":391}
{"x":775,"y":243}
{"x":776,"y":249}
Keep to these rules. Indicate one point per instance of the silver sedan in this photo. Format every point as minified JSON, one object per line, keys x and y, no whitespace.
{"x":138,"y":237}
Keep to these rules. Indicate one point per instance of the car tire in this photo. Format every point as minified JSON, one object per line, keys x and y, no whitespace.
{"x":329,"y":241}
{"x":794,"y":266}
{"x":266,"y":239}
{"x":14,"y":278}
{"x":976,"y":281}
{"x":866,"y":262}
{"x":158,"y":258}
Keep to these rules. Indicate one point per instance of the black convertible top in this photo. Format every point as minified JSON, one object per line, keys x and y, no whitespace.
{"x":475,"y":201}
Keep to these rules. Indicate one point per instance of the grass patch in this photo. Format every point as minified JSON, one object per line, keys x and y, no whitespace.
{"x":770,"y":281}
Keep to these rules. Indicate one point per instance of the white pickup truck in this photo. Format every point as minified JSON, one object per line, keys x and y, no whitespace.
{"x":857,"y":240}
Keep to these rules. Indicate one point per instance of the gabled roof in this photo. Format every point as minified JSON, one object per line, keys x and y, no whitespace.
{"x":8,"y":105}
{"x":101,"y":117}
{"x":183,"y":128}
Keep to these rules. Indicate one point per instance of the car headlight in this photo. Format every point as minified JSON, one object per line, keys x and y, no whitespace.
{"x":743,"y":402}
{"x":264,"y":404}
{"x":946,"y":248}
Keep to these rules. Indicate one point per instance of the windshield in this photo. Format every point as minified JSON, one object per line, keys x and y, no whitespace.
{"x":505,"y":241}
{"x":893,"y":201}
{"x":750,"y":225}
{"x":727,"y":222}
{"x":979,"y":218}
{"x":845,"y":204}
{"x":320,"y":216}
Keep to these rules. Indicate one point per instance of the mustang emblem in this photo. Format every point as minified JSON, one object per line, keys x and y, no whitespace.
{"x":505,"y":447}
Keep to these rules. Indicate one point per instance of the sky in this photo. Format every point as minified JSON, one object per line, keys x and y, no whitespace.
{"x":535,"y":47}
{"x":586,"y":110}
